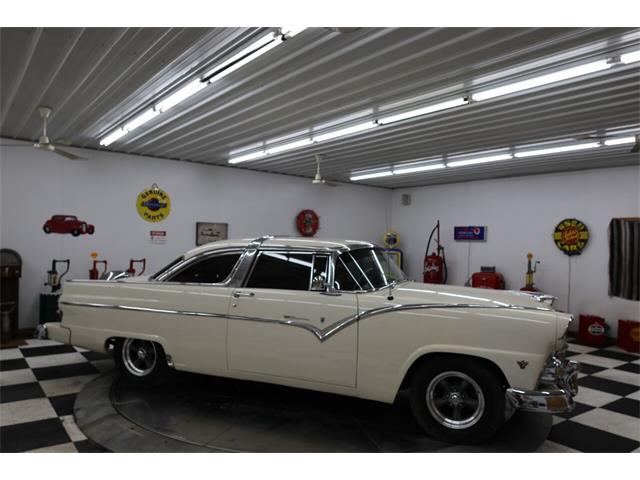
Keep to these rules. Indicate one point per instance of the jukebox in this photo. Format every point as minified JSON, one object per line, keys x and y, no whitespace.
{"x":10,"y":273}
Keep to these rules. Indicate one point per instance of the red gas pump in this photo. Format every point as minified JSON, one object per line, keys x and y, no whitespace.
{"x":435,"y":265}
{"x":94,"y":274}
{"x":132,"y":271}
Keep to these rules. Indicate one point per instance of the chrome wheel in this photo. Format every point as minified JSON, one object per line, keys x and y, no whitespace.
{"x":139,"y":356}
{"x":455,"y":400}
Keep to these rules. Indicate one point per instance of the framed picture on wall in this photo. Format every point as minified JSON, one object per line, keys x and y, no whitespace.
{"x":207,"y":232}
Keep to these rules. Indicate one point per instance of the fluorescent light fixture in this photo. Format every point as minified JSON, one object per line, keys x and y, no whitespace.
{"x":140,"y":119}
{"x":365,"y":176}
{"x":423,"y":111}
{"x":244,"y":56}
{"x":344,"y":131}
{"x":619,"y":141}
{"x":289,"y":146}
{"x":418,"y":168}
{"x":630,"y":57}
{"x":542,"y":80}
{"x":180,"y":95}
{"x":479,"y":160}
{"x":112,"y":137}
{"x":549,"y":151}
{"x":291,"y":31}
{"x":246,"y":158}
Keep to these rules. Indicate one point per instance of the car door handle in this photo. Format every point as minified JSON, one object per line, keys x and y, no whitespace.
{"x":291,"y":317}
{"x":243,"y":294}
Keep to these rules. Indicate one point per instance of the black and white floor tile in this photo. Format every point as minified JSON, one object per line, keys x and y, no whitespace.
{"x":39,"y":383}
{"x":38,"y":386}
{"x":607,"y":413}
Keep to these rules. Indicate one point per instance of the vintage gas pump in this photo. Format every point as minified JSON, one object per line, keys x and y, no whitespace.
{"x":131,"y":271}
{"x":54,"y":280}
{"x":94,"y":273}
{"x":529,"y":285}
{"x":435,"y":265}
{"x":49,"y":300}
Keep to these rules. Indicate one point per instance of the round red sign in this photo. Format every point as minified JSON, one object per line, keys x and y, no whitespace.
{"x":307,"y":223}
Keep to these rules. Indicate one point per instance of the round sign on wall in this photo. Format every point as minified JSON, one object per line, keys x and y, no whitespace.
{"x":571,"y":236}
{"x":307,"y":223}
{"x":153,"y":204}
{"x":391,"y":239}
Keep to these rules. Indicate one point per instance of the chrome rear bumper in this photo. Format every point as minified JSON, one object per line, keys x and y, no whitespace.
{"x":558,"y":385}
{"x":54,"y":331}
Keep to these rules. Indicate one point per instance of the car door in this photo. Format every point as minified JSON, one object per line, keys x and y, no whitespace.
{"x":278,"y":325}
{"x":197,"y":291}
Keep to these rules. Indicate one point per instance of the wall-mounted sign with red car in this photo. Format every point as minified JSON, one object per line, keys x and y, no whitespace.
{"x":67,"y":224}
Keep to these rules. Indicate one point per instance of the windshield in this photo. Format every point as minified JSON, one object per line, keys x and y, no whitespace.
{"x":366,"y":269}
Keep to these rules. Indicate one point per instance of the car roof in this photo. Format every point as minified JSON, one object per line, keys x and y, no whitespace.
{"x":329,"y":244}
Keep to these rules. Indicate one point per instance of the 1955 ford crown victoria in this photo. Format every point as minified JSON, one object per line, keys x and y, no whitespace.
{"x":335,"y":316}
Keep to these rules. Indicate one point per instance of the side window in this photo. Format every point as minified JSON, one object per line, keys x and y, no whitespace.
{"x":281,"y":270}
{"x":212,"y":269}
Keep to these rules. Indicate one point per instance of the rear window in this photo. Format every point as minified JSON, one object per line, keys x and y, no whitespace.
{"x":167,"y":268}
{"x":211,"y":269}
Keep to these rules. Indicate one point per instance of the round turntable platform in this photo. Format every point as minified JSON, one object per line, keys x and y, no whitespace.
{"x":195,"y":413}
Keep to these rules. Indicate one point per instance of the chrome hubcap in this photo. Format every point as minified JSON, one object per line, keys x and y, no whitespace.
{"x":138,"y":356}
{"x":455,"y":400}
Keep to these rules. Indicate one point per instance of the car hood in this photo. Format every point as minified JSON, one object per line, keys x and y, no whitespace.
{"x":428,"y":293}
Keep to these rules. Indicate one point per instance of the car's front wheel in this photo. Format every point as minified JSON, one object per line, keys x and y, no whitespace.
{"x":141,"y":362}
{"x":75,"y":232}
{"x":457,"y":399}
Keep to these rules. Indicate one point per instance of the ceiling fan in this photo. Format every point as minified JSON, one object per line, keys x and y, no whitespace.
{"x":43,"y":141}
{"x":318,"y":180}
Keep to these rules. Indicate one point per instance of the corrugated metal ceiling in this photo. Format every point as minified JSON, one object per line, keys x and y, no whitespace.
{"x":96,"y":78}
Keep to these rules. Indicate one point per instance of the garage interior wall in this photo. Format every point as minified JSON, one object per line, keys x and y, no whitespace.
{"x":102,"y":191}
{"x":521,"y":214}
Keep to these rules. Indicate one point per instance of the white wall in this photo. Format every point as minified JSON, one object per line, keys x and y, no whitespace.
{"x":521,"y":214}
{"x":35,"y":185}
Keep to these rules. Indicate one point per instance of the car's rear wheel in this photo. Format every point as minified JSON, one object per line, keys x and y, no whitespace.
{"x":458,"y":400}
{"x":141,"y":362}
{"x":47,"y":229}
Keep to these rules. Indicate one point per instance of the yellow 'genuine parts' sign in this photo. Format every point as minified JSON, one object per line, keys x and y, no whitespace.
{"x":153,"y":204}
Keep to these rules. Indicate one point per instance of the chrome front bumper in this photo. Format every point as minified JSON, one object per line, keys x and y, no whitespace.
{"x":557,"y":387}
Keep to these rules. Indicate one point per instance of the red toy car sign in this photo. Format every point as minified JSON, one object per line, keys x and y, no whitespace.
{"x":67,"y":224}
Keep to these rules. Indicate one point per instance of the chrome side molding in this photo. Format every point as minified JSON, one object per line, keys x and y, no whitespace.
{"x":321,"y":334}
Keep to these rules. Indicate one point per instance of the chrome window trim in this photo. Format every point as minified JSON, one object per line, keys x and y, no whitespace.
{"x":321,"y":334}
{"x":313,"y":269}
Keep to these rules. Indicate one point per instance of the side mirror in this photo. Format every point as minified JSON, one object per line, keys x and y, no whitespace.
{"x":318,"y":284}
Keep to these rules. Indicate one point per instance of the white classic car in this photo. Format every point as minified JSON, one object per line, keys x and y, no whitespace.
{"x":335,"y":316}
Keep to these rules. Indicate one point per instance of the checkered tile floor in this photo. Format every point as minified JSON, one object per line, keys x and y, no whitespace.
{"x":39,"y":383}
{"x":38,"y":386}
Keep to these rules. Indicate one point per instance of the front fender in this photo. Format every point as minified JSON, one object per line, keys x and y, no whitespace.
{"x":517,"y":341}
{"x":508,"y":362}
